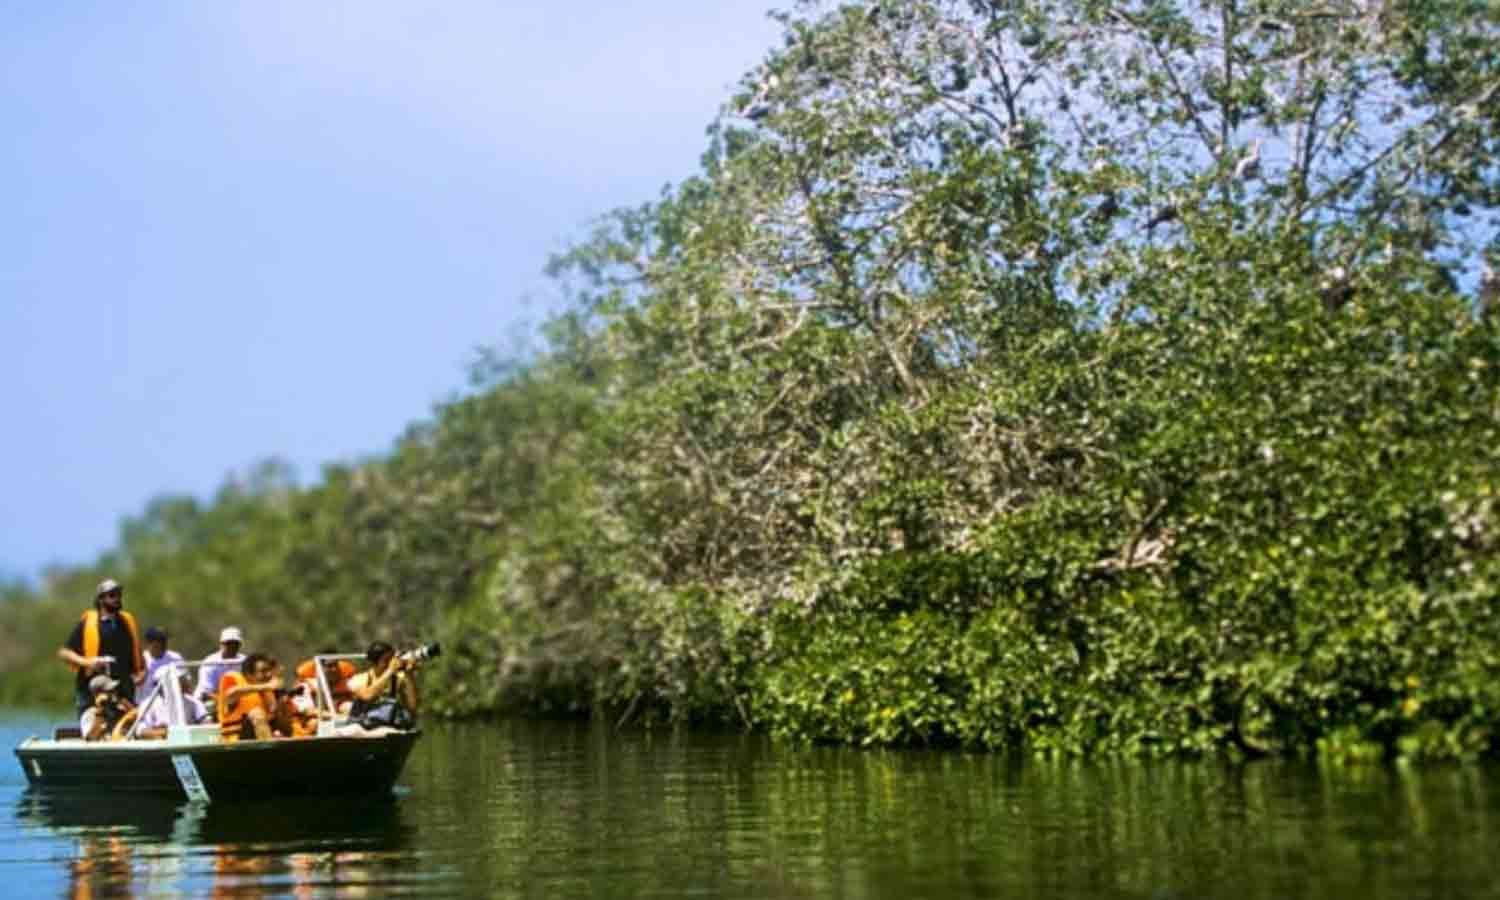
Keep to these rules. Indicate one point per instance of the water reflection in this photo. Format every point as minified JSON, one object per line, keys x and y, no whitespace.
{"x":124,"y":847}
{"x":587,"y":812}
{"x":527,"y":809}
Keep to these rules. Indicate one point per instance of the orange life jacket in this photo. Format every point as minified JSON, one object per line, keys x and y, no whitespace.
{"x":307,"y":670}
{"x":232,"y":715}
{"x":91,"y":639}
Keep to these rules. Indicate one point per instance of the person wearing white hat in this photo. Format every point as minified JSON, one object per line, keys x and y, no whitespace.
{"x":227,"y":658}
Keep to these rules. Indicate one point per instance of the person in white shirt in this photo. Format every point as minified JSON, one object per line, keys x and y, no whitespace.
{"x":157,"y":654}
{"x":154,"y":718}
{"x":153,"y":715}
{"x":214,"y":666}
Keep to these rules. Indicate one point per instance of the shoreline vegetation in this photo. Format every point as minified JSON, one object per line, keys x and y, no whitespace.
{"x":1071,"y":377}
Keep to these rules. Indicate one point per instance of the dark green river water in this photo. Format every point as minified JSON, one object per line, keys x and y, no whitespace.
{"x":527,"y":809}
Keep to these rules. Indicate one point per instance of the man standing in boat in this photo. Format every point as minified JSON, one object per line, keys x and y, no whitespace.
{"x":105,"y":641}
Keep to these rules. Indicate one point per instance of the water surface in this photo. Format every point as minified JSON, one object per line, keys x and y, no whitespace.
{"x":528,"y":809}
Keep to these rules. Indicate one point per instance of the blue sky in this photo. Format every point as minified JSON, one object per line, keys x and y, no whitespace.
{"x":237,"y":230}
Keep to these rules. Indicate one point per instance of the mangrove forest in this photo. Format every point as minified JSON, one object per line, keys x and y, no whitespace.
{"x":1062,"y":376}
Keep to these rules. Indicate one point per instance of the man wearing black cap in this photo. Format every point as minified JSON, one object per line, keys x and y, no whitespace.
{"x":105,"y":642}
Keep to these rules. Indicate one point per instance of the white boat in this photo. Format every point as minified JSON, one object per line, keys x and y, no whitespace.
{"x":194,"y":762}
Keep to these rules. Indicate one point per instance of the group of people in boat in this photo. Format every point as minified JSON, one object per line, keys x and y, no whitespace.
{"x":247,"y":695}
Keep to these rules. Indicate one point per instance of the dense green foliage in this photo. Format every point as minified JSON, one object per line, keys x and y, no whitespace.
{"x":1070,"y":375}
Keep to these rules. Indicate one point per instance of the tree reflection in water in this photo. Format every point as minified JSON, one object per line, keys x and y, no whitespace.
{"x":527,"y":809}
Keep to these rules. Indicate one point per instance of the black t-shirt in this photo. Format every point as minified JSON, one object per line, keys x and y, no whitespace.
{"x":114,"y":640}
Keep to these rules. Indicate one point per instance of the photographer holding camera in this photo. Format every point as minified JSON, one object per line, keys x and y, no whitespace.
{"x":386,"y":693}
{"x":107,"y":708}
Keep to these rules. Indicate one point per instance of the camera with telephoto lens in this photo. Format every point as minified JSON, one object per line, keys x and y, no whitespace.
{"x":421,"y":654}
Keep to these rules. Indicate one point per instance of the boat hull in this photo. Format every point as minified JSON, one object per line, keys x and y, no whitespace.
{"x":306,"y":766}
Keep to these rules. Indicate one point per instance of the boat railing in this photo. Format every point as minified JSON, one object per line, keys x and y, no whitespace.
{"x":167,"y":688}
{"x":329,"y":718}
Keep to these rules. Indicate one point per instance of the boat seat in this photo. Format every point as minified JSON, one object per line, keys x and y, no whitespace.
{"x":65,"y":732}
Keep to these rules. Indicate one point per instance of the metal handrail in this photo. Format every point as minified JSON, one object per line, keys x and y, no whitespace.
{"x":171,"y":687}
{"x":325,"y":693}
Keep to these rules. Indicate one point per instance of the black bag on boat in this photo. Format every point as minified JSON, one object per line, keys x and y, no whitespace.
{"x":386,"y":713}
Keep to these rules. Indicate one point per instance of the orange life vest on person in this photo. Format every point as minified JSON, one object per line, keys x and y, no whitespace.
{"x":232,"y":716}
{"x":91,"y":639}
{"x":307,"y":670}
